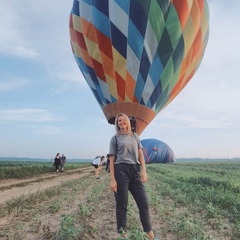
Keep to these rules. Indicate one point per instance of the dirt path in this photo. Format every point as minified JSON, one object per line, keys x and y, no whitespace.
{"x":42,"y":221}
{"x":14,"y":187}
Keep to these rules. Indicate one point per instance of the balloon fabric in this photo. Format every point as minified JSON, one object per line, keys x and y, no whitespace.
{"x":136,"y":56}
{"x":156,"y":151}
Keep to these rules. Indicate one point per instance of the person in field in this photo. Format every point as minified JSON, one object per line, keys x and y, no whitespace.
{"x":107,"y":164}
{"x":57,"y":162}
{"x":64,"y":159}
{"x":128,"y":173}
{"x":97,"y":163}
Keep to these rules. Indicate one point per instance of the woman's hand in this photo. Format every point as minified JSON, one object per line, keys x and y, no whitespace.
{"x":112,"y":176}
{"x":114,"y":185}
{"x":144,"y":176}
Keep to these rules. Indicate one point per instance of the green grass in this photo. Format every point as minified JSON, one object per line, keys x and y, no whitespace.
{"x":188,"y":201}
{"x":11,"y":169}
{"x":202,"y":196}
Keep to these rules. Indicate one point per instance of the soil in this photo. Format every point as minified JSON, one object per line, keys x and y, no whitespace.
{"x":44,"y":224}
{"x":47,"y":225}
{"x":12,"y":188}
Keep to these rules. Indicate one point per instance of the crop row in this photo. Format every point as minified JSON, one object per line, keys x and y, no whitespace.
{"x":186,"y":203}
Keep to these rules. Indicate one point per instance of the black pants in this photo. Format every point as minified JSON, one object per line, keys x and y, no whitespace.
{"x":128,"y":178}
{"x":107,"y":165}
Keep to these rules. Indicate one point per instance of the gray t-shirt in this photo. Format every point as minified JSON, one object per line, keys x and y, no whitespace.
{"x":125,"y":148}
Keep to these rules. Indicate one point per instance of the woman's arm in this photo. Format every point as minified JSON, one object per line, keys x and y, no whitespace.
{"x":112,"y":175}
{"x":142,"y":162}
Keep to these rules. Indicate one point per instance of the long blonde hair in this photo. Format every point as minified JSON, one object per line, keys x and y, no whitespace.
{"x":126,"y":120}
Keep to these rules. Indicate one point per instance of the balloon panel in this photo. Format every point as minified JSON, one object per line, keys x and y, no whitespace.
{"x":156,"y":151}
{"x":138,"y":52}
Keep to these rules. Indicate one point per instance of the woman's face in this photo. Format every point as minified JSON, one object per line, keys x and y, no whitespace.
{"x":121,"y":123}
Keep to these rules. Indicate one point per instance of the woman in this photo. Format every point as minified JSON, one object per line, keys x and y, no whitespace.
{"x":57,"y":162}
{"x":126,"y":156}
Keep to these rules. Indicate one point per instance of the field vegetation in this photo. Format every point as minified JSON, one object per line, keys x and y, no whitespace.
{"x":188,"y":201}
{"x":18,"y":169}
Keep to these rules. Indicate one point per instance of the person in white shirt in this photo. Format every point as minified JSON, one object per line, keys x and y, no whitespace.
{"x":97,"y":163}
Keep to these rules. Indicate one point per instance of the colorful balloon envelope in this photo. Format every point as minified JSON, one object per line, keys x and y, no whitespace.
{"x":137,"y":55}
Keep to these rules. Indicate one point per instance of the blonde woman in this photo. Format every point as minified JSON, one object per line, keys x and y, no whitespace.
{"x":128,"y":172}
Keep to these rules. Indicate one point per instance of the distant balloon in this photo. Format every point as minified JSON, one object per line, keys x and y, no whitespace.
{"x":156,"y":151}
{"x":136,"y":55}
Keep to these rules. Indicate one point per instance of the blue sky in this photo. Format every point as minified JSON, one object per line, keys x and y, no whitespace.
{"x":46,"y":106}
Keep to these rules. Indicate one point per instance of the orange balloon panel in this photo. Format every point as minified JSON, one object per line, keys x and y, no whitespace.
{"x":142,"y":115}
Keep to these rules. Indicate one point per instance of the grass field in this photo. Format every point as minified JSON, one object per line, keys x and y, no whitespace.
{"x":192,"y":201}
{"x":23,"y":169}
{"x":203,"y":199}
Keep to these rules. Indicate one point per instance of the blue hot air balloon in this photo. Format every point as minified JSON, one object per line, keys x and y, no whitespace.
{"x":156,"y":151}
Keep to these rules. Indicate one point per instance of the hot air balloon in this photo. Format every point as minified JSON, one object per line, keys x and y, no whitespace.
{"x":156,"y":151}
{"x":136,"y":55}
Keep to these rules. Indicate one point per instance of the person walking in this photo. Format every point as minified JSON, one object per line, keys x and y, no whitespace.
{"x":128,"y":173}
{"x":57,"y":162}
{"x":64,"y":159}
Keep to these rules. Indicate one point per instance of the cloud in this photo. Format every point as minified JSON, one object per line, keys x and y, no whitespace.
{"x":48,"y":130}
{"x":31,"y":30}
{"x":12,"y":85}
{"x":12,"y":40}
{"x":70,"y":74}
{"x":29,"y":115}
{"x":223,"y":36}
{"x":203,"y":106}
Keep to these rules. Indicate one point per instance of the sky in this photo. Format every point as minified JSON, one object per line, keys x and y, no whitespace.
{"x":47,"y":107}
